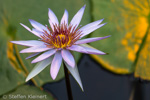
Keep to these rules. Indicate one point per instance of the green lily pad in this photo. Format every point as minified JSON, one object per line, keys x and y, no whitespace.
{"x":26,"y":92}
{"x":128,"y":23}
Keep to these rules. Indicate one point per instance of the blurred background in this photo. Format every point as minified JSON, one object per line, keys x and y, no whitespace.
{"x":123,"y":74}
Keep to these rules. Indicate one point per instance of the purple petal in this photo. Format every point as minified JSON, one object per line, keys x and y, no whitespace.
{"x":34,"y":31}
{"x":92,"y":50}
{"x":88,"y":31}
{"x":77,"y":48}
{"x":77,"y":18}
{"x":39,"y":67}
{"x":29,"y":43}
{"x":88,"y":40}
{"x":51,"y":24}
{"x":55,"y":66}
{"x":40,"y":48}
{"x":26,"y":27}
{"x":37,"y":25}
{"x":67,"y":56}
{"x":91,"y":25}
{"x":64,"y":18}
{"x":85,"y":49}
{"x":32,"y":55}
{"x":74,"y":72}
{"x":52,"y":17}
{"x":37,"y":32}
{"x":44,"y":56}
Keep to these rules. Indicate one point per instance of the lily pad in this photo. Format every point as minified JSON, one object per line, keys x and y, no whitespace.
{"x":128,"y":23}
{"x":26,"y":92}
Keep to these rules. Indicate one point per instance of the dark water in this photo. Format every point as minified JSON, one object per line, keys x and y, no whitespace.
{"x":100,"y":84}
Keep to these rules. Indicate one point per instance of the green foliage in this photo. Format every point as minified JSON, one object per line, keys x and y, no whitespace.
{"x":25,"y":92}
{"x":128,"y":48}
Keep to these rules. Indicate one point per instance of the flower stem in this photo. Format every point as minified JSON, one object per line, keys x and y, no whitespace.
{"x":70,"y":97}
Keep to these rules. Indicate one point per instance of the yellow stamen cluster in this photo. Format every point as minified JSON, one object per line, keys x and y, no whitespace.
{"x":61,"y":36}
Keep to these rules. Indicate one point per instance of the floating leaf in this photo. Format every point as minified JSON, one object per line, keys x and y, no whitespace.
{"x":26,"y":92}
{"x":128,"y":23}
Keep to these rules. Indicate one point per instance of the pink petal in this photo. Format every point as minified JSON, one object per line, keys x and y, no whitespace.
{"x":67,"y":56}
{"x":77,"y":18}
{"x":64,"y":18}
{"x":37,"y":25}
{"x":40,"y":48}
{"x":88,"y":40}
{"x":55,"y":66}
{"x":44,"y":56}
{"x":52,"y":17}
{"x":32,"y":55}
{"x":29,"y":43}
{"x":88,"y":31}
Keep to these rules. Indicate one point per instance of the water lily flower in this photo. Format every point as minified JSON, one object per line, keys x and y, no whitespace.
{"x":57,"y":41}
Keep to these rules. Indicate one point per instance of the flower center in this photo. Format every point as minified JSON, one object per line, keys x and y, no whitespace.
{"x":61,"y":36}
{"x":61,"y":41}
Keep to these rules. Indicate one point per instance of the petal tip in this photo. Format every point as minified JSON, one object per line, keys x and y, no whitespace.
{"x":21,"y":24}
{"x":30,"y":19}
{"x":66,"y":11}
{"x":27,"y":58}
{"x":33,"y":61}
{"x":22,"y":51}
{"x":49,"y":11}
{"x":12,"y":41}
{"x":27,"y":79}
{"x":53,"y":77}
{"x":104,"y":23}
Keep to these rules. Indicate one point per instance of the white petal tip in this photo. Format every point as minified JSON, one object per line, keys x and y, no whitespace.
{"x":53,"y":77}
{"x":21,"y":52}
{"x":66,"y":11}
{"x":33,"y":62}
{"x":83,"y":7}
{"x":27,"y":79}
{"x":49,"y":10}
{"x":101,"y":20}
{"x":12,"y":41}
